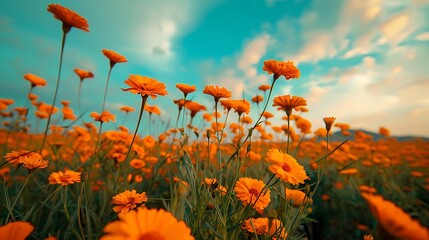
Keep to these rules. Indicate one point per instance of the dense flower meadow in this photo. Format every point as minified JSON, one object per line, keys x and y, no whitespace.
{"x":227,"y":176}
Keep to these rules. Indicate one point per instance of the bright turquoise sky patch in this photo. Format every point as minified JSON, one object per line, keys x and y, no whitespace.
{"x":364,"y":62}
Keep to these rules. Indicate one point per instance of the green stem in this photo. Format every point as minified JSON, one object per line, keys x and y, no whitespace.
{"x":16,"y":199}
{"x":78,"y":210}
{"x":144,"y":98}
{"x":56,"y":91}
{"x":64,"y":197}
{"x":320,"y":173}
{"x":105,"y":88}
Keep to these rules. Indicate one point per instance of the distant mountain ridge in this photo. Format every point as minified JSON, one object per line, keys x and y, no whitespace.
{"x":338,"y":137}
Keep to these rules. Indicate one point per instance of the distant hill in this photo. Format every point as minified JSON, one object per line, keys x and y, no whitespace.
{"x":338,"y":137}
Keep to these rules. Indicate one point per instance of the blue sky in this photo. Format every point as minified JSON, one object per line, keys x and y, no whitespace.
{"x":364,"y":62}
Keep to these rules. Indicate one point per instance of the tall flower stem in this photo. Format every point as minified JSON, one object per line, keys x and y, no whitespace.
{"x":56,"y":90}
{"x":144,"y":99}
{"x":288,"y":134}
{"x":98,"y":138}
{"x":105,"y":88}
{"x":16,"y":199}
{"x":64,"y":198}
{"x":321,"y":172}
{"x":78,"y":97}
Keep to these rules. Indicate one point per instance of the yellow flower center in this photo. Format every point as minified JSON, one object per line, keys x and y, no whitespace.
{"x":151,"y":236}
{"x":286,"y":167}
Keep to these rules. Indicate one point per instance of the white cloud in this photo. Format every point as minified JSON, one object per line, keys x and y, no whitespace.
{"x":159,"y":26}
{"x":252,"y":55}
{"x":423,"y":36}
{"x":397,"y":28}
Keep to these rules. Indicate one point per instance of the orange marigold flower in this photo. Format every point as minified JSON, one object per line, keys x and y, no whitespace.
{"x":368,"y":237}
{"x":127,"y":109}
{"x":137,"y":163}
{"x":241,"y":106}
{"x":15,"y":157}
{"x":349,"y":171}
{"x":213,"y":184}
{"x":246,"y":119}
{"x":296,"y":197}
{"x":264,"y":87}
{"x":145,"y":86}
{"x":35,"y":80}
{"x":208,"y":117}
{"x":83,"y":74}
{"x":286,"y":167}
{"x":329,"y":121}
{"x":185,"y":88}
{"x":152,"y":109}
{"x":18,"y":230}
{"x":106,"y":116}
{"x":227,"y":104}
{"x":34,"y":161}
{"x":149,"y":141}
{"x":68,"y":17}
{"x":217,"y":92}
{"x":267,"y":115}
{"x":6,"y":101}
{"x":248,"y":190}
{"x":257,"y":99}
{"x":194,"y":107}
{"x":147,"y":224}
{"x":304,"y":125}
{"x":265,"y":226}
{"x":114,"y":57}
{"x":128,"y":200}
{"x":394,"y":220}
{"x":64,"y":178}
{"x":384,"y":131}
{"x":287,"y":103}
{"x":278,"y":68}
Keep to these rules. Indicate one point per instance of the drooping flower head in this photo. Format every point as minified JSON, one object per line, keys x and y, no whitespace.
{"x":114,"y":57}
{"x":145,"y":86}
{"x":35,"y":80}
{"x":128,"y":200}
{"x":147,"y":224}
{"x":64,"y":178}
{"x":285,"y":167}
{"x":248,"y":190}
{"x":68,"y":17}
{"x":287,"y":103}
{"x":279,"y":68}
{"x":217,"y":92}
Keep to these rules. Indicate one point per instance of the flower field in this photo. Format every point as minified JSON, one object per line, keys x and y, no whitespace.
{"x":212,"y":173}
